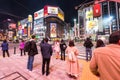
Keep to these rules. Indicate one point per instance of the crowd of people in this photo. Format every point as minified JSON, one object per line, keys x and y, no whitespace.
{"x":104,"y":59}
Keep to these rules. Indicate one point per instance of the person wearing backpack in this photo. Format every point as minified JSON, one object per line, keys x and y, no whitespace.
{"x":4,"y":46}
{"x":63,"y":46}
{"x":88,"y":45}
{"x":31,"y":53}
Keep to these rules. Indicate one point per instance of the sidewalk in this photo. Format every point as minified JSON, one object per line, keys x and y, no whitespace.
{"x":14,"y":68}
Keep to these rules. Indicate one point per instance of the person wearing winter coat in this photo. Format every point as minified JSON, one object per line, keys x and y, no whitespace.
{"x":88,"y":45}
{"x":63,"y":47}
{"x":5,"y":48}
{"x":31,"y":53}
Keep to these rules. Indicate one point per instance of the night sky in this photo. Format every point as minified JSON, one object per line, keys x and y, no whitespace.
{"x":22,"y":8}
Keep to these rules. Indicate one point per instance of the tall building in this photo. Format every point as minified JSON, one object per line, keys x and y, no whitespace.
{"x":49,"y":22}
{"x":99,"y":17}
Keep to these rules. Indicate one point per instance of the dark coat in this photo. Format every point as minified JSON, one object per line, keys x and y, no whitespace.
{"x":33,"y":49}
{"x":88,"y":44}
{"x":63,"y":46}
{"x":46,"y":50}
{"x":4,"y":46}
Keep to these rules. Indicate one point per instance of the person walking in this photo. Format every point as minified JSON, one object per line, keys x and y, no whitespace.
{"x":31,"y":53}
{"x":21,"y":47}
{"x":105,"y":62}
{"x":72,"y":60}
{"x":88,"y":45}
{"x":63,"y":46}
{"x":5,"y":48}
{"x":46,"y":50}
{"x":99,"y":43}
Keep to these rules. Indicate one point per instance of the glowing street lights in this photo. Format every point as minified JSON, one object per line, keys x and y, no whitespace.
{"x":75,"y":24}
{"x":110,"y":22}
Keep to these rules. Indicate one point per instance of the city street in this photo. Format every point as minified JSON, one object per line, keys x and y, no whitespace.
{"x":14,"y":67}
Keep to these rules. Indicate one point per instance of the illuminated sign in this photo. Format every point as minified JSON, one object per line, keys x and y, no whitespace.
{"x":12,"y":26}
{"x":92,"y":26}
{"x":96,"y":10}
{"x":52,"y":10}
{"x":30,"y":18}
{"x":39,"y":14}
{"x":89,"y":14}
{"x":53,"y":28}
{"x":60,"y":14}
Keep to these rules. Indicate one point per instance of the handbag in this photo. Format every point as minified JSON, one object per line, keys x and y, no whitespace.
{"x":71,"y":56}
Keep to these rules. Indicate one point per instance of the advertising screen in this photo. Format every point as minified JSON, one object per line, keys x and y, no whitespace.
{"x":92,"y":26}
{"x":39,"y":14}
{"x":60,"y":14}
{"x":53,"y":28}
{"x":96,"y":10}
{"x":52,"y":10}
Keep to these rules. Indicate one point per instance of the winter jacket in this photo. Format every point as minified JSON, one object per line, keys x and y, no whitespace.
{"x":33,"y":48}
{"x":4,"y":46}
{"x":21,"y":46}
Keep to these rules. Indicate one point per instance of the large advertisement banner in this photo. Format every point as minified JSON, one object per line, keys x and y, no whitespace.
{"x":53,"y":28}
{"x":39,"y":14}
{"x":12,"y":26}
{"x":97,"y":10}
{"x":92,"y":26}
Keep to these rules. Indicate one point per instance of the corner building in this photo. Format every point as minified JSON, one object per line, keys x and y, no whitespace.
{"x":49,"y":22}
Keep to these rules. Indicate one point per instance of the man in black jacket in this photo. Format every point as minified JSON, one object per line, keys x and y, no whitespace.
{"x":63,"y":46}
{"x":46,"y":50}
{"x":31,"y":53}
{"x":88,"y":45}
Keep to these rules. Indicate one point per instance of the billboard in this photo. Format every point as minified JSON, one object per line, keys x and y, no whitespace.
{"x":50,"y":10}
{"x":39,"y":14}
{"x":60,"y":14}
{"x":12,"y":26}
{"x":97,"y":10}
{"x":53,"y":29}
{"x":92,"y":26}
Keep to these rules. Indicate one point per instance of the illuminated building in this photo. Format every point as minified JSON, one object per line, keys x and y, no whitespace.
{"x":49,"y":22}
{"x":99,"y":17}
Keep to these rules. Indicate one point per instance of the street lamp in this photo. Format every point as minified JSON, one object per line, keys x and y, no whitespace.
{"x":110,"y":23}
{"x":75,"y":27}
{"x":78,"y":30}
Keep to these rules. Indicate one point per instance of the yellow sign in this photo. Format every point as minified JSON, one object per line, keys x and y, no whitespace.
{"x":30,"y":18}
{"x":61,"y":16}
{"x":89,"y":14}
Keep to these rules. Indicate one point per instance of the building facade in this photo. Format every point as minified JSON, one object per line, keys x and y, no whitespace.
{"x":49,"y":22}
{"x":101,"y":18}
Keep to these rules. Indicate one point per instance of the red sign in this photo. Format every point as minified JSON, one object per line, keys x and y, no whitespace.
{"x":45,"y":11}
{"x":25,"y":30}
{"x":35,"y":14}
{"x":96,"y":10}
{"x":12,"y":25}
{"x":20,"y":27}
